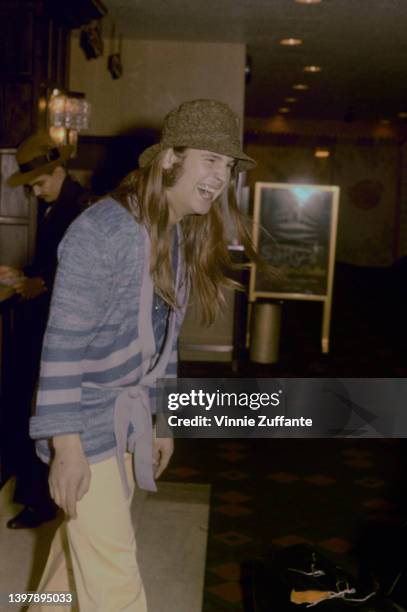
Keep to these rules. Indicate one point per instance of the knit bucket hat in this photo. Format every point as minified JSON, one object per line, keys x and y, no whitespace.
{"x":201,"y":124}
{"x":38,"y":155}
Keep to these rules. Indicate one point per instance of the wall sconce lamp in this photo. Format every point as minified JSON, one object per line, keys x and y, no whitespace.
{"x":68,"y":114}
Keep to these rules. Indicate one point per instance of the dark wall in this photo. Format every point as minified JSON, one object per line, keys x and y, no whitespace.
{"x":110,"y":158}
{"x":33,"y":61}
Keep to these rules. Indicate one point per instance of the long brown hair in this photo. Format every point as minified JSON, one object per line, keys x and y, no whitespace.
{"x":206,"y":255}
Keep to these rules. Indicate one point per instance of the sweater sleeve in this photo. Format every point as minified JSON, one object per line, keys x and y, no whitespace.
{"x":78,"y":305}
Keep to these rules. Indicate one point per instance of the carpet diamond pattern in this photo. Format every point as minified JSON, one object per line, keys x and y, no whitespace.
{"x":378,"y":504}
{"x":336,"y":545}
{"x":234,"y":475}
{"x":227,"y":571}
{"x":232,"y":538}
{"x":234,"y":497}
{"x":359,"y":463}
{"x":232,"y":446}
{"x":229,"y":591}
{"x":233,"y":510}
{"x":289,"y":492}
{"x":283,"y":477}
{"x":320,"y":480}
{"x":183,"y":472}
{"x":232,"y":456}
{"x":370,"y":483}
{"x":290,"y":540}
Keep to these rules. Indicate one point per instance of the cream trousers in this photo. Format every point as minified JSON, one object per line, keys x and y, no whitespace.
{"x":94,"y":556}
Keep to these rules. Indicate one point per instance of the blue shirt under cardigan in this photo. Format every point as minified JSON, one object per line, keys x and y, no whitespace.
{"x":161,"y":308}
{"x":99,"y":339}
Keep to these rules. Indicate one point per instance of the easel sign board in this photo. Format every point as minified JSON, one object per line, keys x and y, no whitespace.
{"x":295,"y":230}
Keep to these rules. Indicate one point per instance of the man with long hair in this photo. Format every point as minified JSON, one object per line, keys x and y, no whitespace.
{"x":126,"y":267}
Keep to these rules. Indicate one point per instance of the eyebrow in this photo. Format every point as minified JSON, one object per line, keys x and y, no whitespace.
{"x":231,"y":161}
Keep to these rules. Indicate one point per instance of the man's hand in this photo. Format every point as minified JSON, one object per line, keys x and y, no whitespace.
{"x":30,"y":288}
{"x":7,"y":273}
{"x":162,"y":451}
{"x":69,"y":476}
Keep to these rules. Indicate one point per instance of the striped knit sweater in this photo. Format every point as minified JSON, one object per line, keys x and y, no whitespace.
{"x":99,"y":339}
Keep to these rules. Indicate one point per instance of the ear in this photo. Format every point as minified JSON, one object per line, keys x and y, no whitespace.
{"x":169,"y":159}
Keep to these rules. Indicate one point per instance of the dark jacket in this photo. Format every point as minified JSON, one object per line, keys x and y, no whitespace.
{"x":30,"y":319}
{"x":53,"y":221}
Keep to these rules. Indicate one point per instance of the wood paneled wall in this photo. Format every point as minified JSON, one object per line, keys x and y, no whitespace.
{"x":33,"y":60}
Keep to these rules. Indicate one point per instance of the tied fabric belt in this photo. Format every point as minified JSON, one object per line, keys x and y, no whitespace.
{"x":133,"y":407}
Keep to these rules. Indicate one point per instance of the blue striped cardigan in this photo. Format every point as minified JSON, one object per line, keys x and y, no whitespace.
{"x":98,"y":365}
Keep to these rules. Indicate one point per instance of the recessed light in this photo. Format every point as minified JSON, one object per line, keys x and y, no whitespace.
{"x":291,"y":42}
{"x":291,"y":100}
{"x":322,"y":153}
{"x":312,"y":68}
{"x":300,"y":86}
{"x":402,"y":115}
{"x":308,"y":1}
{"x":284,"y":109}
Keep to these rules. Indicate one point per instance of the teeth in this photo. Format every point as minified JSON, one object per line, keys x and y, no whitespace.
{"x":207,"y":190}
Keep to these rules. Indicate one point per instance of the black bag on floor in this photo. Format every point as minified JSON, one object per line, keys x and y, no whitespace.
{"x":382,"y":555}
{"x":301,"y":578}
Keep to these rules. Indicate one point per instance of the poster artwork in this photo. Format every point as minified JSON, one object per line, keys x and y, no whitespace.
{"x":294,"y":233}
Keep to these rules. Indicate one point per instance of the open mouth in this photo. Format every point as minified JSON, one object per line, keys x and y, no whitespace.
{"x":207,"y":193}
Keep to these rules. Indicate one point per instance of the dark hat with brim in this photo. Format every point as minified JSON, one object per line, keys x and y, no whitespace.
{"x":36,"y":156}
{"x":201,"y":124}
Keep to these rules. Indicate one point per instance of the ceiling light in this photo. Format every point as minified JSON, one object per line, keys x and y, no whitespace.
{"x":308,"y":1}
{"x":284,"y":109}
{"x":300,"y":87}
{"x":291,"y":42}
{"x":312,"y":68}
{"x":322,"y":153}
{"x":291,"y":100}
{"x":402,"y":115}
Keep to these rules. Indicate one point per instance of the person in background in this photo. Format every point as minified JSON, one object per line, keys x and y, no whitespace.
{"x":125,"y":270}
{"x":61,"y":200}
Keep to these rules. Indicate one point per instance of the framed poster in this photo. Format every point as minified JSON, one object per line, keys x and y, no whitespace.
{"x":295,"y":231}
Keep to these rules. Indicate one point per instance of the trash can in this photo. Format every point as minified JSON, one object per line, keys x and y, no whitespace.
{"x":265,"y":332}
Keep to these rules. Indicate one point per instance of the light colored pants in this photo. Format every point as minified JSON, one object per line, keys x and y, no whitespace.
{"x":94,"y":555}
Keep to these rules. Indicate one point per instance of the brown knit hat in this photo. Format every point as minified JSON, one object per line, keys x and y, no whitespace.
{"x":201,"y":124}
{"x":38,"y":155}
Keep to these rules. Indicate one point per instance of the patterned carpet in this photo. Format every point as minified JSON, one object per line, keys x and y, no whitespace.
{"x":270,"y":494}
